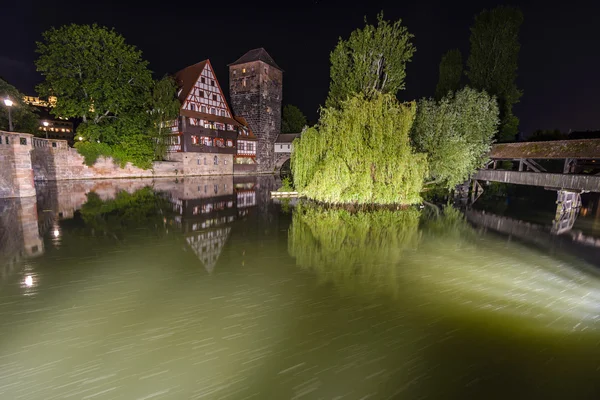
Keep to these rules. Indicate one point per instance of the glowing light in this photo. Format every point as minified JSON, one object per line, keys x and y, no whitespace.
{"x":29,"y":281}
{"x":80,"y":138}
{"x":45,"y":123}
{"x":8,"y":102}
{"x":56,"y":233}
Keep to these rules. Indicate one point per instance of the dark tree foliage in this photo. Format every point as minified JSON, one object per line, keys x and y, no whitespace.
{"x":371,"y":61}
{"x":493,"y":61}
{"x":23,"y":115}
{"x":451,"y":69}
{"x":544,"y":135}
{"x":292,"y":119}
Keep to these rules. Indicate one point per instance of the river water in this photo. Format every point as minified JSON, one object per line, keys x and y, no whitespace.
{"x":206,"y":288}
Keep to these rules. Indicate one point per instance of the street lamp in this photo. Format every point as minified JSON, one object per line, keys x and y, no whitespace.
{"x":45,"y":123}
{"x":9,"y":103}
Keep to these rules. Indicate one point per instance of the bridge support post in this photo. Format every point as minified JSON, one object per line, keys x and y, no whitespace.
{"x":568,"y":204}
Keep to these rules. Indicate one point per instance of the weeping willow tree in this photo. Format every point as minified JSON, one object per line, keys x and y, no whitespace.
{"x":355,"y":251}
{"x":360,"y":154}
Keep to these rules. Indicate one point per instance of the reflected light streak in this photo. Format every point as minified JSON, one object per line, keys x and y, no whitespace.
{"x":29,"y":281}
{"x":511,"y":281}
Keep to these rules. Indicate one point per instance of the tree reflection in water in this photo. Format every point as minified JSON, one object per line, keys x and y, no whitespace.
{"x":353,"y":250}
{"x":439,"y":264}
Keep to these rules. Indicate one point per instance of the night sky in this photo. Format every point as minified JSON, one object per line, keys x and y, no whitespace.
{"x":558,"y":66}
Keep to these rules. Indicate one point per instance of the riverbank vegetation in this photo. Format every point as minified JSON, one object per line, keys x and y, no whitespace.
{"x":23,"y":117}
{"x":99,"y":78}
{"x":369,"y":148}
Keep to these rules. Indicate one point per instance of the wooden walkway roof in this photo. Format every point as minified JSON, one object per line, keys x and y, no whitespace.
{"x":558,"y":149}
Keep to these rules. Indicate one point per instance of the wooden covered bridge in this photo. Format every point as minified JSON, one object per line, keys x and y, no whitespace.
{"x":522,"y":164}
{"x":570,"y":167}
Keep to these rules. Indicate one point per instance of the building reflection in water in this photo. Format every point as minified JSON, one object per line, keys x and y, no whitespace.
{"x":205,"y":207}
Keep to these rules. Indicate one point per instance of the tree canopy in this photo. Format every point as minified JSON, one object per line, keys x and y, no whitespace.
{"x":451,"y":69}
{"x":493,"y":61}
{"x":163,"y":107}
{"x":373,"y":60}
{"x":456,"y":133}
{"x":23,"y":116}
{"x":98,"y":77}
{"x":371,"y":162}
{"x":292,"y":119}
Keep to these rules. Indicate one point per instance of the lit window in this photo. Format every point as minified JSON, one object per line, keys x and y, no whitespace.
{"x":244,"y":82}
{"x":243,"y":70}
{"x":229,"y":143}
{"x":234,"y":71}
{"x":195,"y":140}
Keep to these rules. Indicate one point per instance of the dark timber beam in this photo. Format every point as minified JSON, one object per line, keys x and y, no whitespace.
{"x":564,"y":181}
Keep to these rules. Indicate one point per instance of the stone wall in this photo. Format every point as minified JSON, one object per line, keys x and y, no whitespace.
{"x":57,"y":163}
{"x":16,"y":174}
{"x":259,"y":102}
{"x":24,"y":158}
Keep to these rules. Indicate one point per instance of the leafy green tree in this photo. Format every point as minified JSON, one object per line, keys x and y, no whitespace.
{"x":292,"y":119}
{"x":94,"y":74}
{"x":98,"y":77}
{"x":451,"y":69}
{"x":493,"y":61}
{"x":456,"y":133}
{"x":23,"y":115}
{"x":373,"y":60}
{"x":163,"y":108}
{"x":360,"y":154}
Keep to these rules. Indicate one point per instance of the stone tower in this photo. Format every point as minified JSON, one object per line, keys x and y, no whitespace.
{"x":255,"y":88}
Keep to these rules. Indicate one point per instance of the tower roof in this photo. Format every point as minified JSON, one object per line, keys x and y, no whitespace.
{"x":259,"y":54}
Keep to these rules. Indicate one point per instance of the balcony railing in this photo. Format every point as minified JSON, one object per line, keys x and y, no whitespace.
{"x":51,"y":143}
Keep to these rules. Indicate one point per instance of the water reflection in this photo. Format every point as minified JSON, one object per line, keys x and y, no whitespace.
{"x":444,"y":264}
{"x":186,"y":289}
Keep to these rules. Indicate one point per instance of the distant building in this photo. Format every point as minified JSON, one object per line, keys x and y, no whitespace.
{"x":283,"y":143}
{"x":255,"y":88}
{"x":50,"y":126}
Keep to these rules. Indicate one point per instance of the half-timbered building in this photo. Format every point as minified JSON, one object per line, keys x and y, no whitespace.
{"x":207,"y":125}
